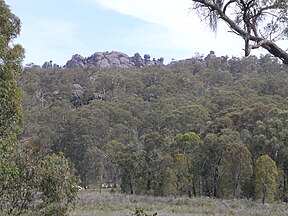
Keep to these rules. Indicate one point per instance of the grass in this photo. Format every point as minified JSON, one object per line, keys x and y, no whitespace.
{"x":92,"y":203}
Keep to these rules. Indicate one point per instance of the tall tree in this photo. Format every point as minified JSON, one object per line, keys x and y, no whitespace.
{"x":187,"y":153}
{"x":237,"y":170}
{"x":154,"y":147}
{"x":265,"y":178}
{"x":10,"y":66}
{"x":260,"y":22}
{"x":11,"y":117}
{"x":127,"y":160}
{"x":29,"y":182}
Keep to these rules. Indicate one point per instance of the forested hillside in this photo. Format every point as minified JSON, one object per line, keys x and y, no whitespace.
{"x":215,"y":127}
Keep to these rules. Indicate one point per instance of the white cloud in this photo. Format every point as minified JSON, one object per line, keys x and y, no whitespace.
{"x":163,"y":12}
{"x":169,"y":13}
{"x":186,"y":31}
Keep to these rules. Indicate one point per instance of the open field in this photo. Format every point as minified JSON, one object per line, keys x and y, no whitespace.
{"x":92,"y":203}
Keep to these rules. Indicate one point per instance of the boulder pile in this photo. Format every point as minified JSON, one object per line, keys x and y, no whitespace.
{"x":112,"y":59}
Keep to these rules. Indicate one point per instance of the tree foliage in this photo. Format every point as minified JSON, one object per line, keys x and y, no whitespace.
{"x":30,"y":181}
{"x":259,"y":23}
{"x":11,"y":117}
{"x":265,"y":178}
{"x":42,"y":184}
{"x":193,"y":128}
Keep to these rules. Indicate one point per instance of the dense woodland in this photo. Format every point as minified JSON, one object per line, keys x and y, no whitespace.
{"x":215,"y":127}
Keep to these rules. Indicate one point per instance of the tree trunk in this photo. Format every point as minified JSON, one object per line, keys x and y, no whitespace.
{"x":215,"y":183}
{"x":269,"y":45}
{"x":276,"y":51}
{"x":131,"y":188}
{"x":264,"y":195}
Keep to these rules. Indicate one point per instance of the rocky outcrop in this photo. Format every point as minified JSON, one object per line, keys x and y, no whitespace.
{"x":112,"y":59}
{"x":49,"y":65}
{"x":210,"y":56}
{"x":118,"y":59}
{"x":76,"y":94}
{"x":76,"y":61}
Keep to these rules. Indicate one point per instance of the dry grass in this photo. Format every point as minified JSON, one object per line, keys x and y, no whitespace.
{"x":92,"y":203}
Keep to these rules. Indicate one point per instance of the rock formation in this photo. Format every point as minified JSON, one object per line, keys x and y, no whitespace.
{"x":49,"y":65}
{"x":108,"y":60}
{"x":117,"y":59}
{"x":210,"y":56}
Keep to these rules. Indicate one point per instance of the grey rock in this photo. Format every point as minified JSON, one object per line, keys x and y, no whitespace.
{"x":147,"y":60}
{"x":112,"y":59}
{"x":124,"y":61}
{"x":147,"y":57}
{"x":56,"y":92}
{"x":114,"y":62}
{"x":104,"y":63}
{"x":78,"y":57}
{"x":120,"y":55}
{"x":95,"y":57}
{"x":29,"y":65}
{"x":48,"y":65}
{"x":210,"y":56}
{"x":73,"y":63}
{"x":77,"y":90}
{"x":137,"y":60}
{"x":113,"y":54}
{"x":56,"y":66}
{"x":160,"y":61}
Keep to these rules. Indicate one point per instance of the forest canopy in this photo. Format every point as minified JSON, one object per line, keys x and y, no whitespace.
{"x":194,"y":127}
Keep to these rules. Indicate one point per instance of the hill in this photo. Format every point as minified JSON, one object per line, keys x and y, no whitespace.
{"x":194,"y":127}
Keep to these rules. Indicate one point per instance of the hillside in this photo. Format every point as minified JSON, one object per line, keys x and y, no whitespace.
{"x":194,"y":127}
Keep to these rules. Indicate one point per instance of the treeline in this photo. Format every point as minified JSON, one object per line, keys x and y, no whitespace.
{"x":215,"y":128}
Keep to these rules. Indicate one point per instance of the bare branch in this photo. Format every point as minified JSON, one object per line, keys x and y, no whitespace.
{"x":247,"y":19}
{"x":226,"y":6}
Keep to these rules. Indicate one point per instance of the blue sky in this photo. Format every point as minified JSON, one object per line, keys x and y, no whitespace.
{"x":57,"y":29}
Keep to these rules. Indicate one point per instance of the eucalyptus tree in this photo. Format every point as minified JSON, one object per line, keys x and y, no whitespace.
{"x":30,"y":182}
{"x":11,"y":116}
{"x":265,"y":179}
{"x":187,"y":154}
{"x":259,"y":22}
{"x":237,"y":170}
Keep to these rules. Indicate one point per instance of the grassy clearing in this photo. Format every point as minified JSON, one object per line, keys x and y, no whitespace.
{"x":92,"y":203}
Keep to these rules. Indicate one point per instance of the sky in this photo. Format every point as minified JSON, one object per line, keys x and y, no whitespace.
{"x":57,"y":29}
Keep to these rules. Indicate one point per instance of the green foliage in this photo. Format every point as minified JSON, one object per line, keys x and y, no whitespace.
{"x":169,"y":182}
{"x":237,"y":170}
{"x":41,"y":184}
{"x":151,"y":130}
{"x":30,"y":182}
{"x":22,"y":187}
{"x":265,"y":179}
{"x":10,"y":59}
{"x":127,"y":160}
{"x":188,"y":118}
{"x":11,"y":117}
{"x":58,"y":185}
{"x":187,"y":143}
